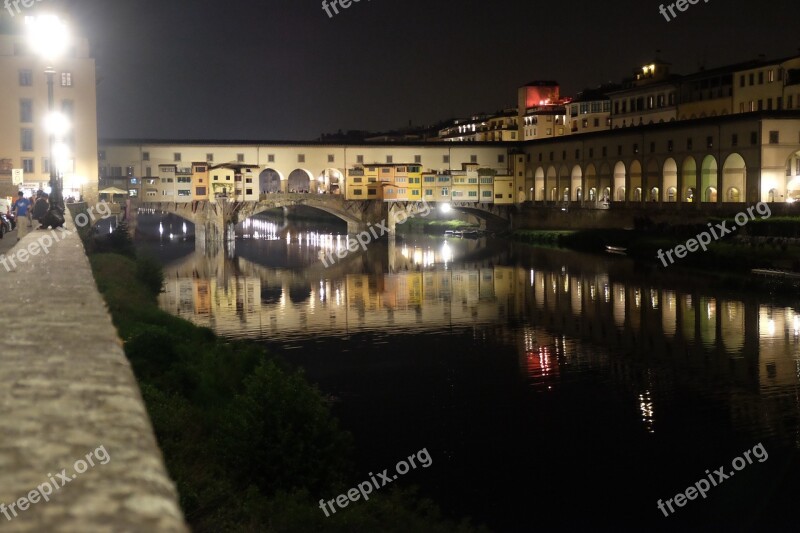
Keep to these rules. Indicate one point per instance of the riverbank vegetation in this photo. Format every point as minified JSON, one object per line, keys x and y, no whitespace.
{"x":251,"y":445}
{"x":772,"y":243}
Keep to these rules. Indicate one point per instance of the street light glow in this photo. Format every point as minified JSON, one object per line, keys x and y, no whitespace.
{"x":61,"y":154}
{"x":48,"y":36}
{"x":57,"y":124}
{"x":445,"y":208}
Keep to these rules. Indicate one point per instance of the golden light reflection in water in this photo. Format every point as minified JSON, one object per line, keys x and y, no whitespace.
{"x":647,"y":408}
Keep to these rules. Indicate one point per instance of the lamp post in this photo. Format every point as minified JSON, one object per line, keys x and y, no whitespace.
{"x":49,"y":38}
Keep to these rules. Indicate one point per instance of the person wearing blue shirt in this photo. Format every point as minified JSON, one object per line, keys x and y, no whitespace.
{"x":20,"y":209}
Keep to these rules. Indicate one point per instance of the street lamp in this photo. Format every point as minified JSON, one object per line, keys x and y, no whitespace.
{"x":49,"y":38}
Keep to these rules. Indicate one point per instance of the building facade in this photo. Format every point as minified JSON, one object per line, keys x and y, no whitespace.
{"x":24,"y":139}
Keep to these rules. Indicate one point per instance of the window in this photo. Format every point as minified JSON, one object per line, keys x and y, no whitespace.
{"x":184,"y":192}
{"x":248,"y":191}
{"x":473,"y":159}
{"x":652,"y":147}
{"x":619,"y":150}
{"x":129,"y":171}
{"x":331,"y":158}
{"x":271,"y":158}
{"x":389,"y":159}
{"x":45,"y":165}
{"x":27,"y":140}
{"x":199,"y":169}
{"x":753,"y":138}
{"x":501,"y":158}
{"x":774,"y":137}
{"x":25,"y":78}
{"x":710,"y":142}
{"x":66,"y":79}
{"x":360,"y":159}
{"x":445,"y":191}
{"x":771,"y":75}
{"x":145,"y":156}
{"x":761,"y":78}
{"x":635,"y":148}
{"x":689,"y":144}
{"x":741,"y":80}
{"x":27,"y":165}
{"x":26,"y":110}
{"x":301,"y":158}
{"x":176,"y":157}
{"x":68,"y":108}
{"x":446,"y":159}
{"x":417,"y":159}
{"x":148,"y":172}
{"x":372,"y":192}
{"x":240,"y":158}
{"x":670,"y":145}
{"x":734,"y":140}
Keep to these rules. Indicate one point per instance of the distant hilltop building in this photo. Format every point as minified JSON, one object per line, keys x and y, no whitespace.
{"x":653,"y":95}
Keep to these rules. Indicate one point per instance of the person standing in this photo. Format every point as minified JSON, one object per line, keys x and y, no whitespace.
{"x":20,"y":209}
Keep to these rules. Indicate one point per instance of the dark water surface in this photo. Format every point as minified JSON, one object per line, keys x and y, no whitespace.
{"x":553,"y":390}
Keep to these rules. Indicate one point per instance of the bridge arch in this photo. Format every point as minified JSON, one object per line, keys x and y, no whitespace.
{"x":577,"y":184}
{"x":734,"y":172}
{"x":299,"y":181}
{"x":670,"y":173}
{"x":651,"y":182}
{"x":563,"y":183}
{"x":636,"y":181}
{"x":793,"y":178}
{"x":606,"y":183}
{"x":330,"y":181}
{"x":538,"y":185}
{"x":708,"y":177}
{"x":620,"y":178}
{"x":689,"y":192}
{"x":270,"y":181}
{"x":551,"y":184}
{"x":592,"y":190}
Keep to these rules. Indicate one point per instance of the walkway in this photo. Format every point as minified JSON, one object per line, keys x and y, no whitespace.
{"x":67,"y":391}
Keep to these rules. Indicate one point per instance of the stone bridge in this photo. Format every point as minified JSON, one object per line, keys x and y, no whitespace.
{"x":216,"y":220}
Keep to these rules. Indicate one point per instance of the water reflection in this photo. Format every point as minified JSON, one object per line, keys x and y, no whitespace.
{"x":565,"y":316}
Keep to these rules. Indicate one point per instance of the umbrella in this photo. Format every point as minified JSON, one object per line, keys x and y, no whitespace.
{"x":113,"y":190}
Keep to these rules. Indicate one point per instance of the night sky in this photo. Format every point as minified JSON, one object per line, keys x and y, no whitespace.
{"x":284,"y":70}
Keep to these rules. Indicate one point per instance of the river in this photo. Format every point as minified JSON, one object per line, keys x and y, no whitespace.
{"x":552,"y":389}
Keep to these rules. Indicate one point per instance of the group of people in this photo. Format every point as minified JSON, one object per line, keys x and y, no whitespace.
{"x":28,"y":210}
